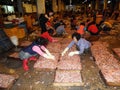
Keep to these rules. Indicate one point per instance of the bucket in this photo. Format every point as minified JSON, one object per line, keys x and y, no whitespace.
{"x":14,"y":40}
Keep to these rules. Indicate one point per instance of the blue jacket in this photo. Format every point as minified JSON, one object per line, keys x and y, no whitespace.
{"x":82,"y":44}
{"x":29,"y":48}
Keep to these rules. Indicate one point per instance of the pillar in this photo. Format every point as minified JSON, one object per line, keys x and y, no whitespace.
{"x":19,"y":6}
{"x":93,"y":5}
{"x":97,"y":4}
{"x":0,"y":10}
{"x":119,"y":5}
{"x":105,"y":4}
{"x":41,"y":6}
{"x":54,"y":6}
{"x":59,"y":5}
{"x":63,"y":6}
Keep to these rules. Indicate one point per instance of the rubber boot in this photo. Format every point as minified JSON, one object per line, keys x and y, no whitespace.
{"x":33,"y":58}
{"x":25,"y":64}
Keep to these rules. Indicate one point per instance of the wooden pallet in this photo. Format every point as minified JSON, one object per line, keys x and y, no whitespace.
{"x":108,"y":83}
{"x":6,"y":81}
{"x":65,"y":80}
{"x":45,"y":69}
{"x":68,"y":84}
{"x":116,"y":51}
{"x":46,"y":64}
{"x":74,"y":65}
{"x":40,"y":65}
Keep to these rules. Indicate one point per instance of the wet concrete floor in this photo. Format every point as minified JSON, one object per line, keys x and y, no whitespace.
{"x":43,"y":80}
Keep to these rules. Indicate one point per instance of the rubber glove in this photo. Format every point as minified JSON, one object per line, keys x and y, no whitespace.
{"x":71,"y":53}
{"x":66,"y":49}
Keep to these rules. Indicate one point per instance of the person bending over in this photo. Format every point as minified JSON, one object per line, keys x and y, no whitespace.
{"x":60,"y":30}
{"x":80,"y":30}
{"x":105,"y":27}
{"x":37,"y":47}
{"x":48,"y":35}
{"x":92,"y":29}
{"x":80,"y":43}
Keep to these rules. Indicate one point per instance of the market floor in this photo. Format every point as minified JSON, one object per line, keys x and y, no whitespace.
{"x":43,"y":80}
